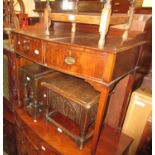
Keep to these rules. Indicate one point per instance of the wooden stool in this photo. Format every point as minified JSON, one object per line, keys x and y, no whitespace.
{"x":71,"y":106}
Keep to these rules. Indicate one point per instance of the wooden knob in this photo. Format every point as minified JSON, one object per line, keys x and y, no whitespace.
{"x":36,"y":52}
{"x":43,"y":148}
{"x":18,"y":42}
{"x":26,"y":46}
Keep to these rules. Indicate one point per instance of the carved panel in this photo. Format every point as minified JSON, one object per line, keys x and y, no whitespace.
{"x":65,"y":106}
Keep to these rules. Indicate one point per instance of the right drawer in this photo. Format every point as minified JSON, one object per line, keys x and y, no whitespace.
{"x":79,"y":61}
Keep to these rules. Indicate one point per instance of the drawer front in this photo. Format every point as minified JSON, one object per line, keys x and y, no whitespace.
{"x":77,"y":61}
{"x":30,"y":142}
{"x":42,"y":147}
{"x":25,"y":146}
{"x":30,"y":47}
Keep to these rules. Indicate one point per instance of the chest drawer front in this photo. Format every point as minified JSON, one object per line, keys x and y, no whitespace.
{"x":77,"y":61}
{"x":28,"y":140}
{"x":30,"y":47}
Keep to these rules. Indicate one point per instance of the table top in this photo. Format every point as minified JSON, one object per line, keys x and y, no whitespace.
{"x":114,"y":42}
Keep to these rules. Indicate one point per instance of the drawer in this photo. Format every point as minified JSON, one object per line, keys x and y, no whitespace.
{"x":78,"y":61}
{"x":25,"y":136}
{"x":42,"y":147}
{"x":30,"y":47}
{"x":25,"y":145}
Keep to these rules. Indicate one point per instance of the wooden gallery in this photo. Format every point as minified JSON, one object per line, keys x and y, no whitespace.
{"x":77,"y":77}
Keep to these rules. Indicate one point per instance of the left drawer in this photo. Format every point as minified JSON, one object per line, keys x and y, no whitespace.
{"x":30,"y":47}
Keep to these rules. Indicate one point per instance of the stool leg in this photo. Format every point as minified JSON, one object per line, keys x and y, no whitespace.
{"x":25,"y":99}
{"x":83,"y":128}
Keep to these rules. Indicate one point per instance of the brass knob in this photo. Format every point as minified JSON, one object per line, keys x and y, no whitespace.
{"x":26,"y":46}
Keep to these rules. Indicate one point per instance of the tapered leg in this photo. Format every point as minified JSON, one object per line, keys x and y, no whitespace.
{"x":126,"y":98}
{"x":99,"y":118}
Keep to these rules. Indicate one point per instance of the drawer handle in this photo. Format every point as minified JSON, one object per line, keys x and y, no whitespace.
{"x":36,"y":52}
{"x":18,"y":42}
{"x":69,"y":60}
{"x":59,"y":130}
{"x":44,"y":95}
{"x":28,"y":78}
{"x":26,"y":46}
{"x":43,"y":148}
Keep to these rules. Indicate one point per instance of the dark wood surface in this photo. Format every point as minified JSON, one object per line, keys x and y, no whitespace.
{"x":83,"y":53}
{"x":8,"y":115}
{"x":9,"y":138}
{"x":44,"y":135}
{"x":113,"y":44}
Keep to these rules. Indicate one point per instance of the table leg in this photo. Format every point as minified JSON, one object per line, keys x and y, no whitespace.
{"x":100,"y":114}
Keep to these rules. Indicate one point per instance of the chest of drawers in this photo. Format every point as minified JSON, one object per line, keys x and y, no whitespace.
{"x":29,"y":143}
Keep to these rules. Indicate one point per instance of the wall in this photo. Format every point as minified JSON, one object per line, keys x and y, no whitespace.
{"x":147,"y":3}
{"x":30,"y":5}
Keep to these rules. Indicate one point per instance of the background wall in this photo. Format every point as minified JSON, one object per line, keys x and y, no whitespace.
{"x":147,"y":3}
{"x":30,"y":5}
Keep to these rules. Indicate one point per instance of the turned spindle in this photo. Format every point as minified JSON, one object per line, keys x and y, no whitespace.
{"x":104,"y":23}
{"x":128,"y":25}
